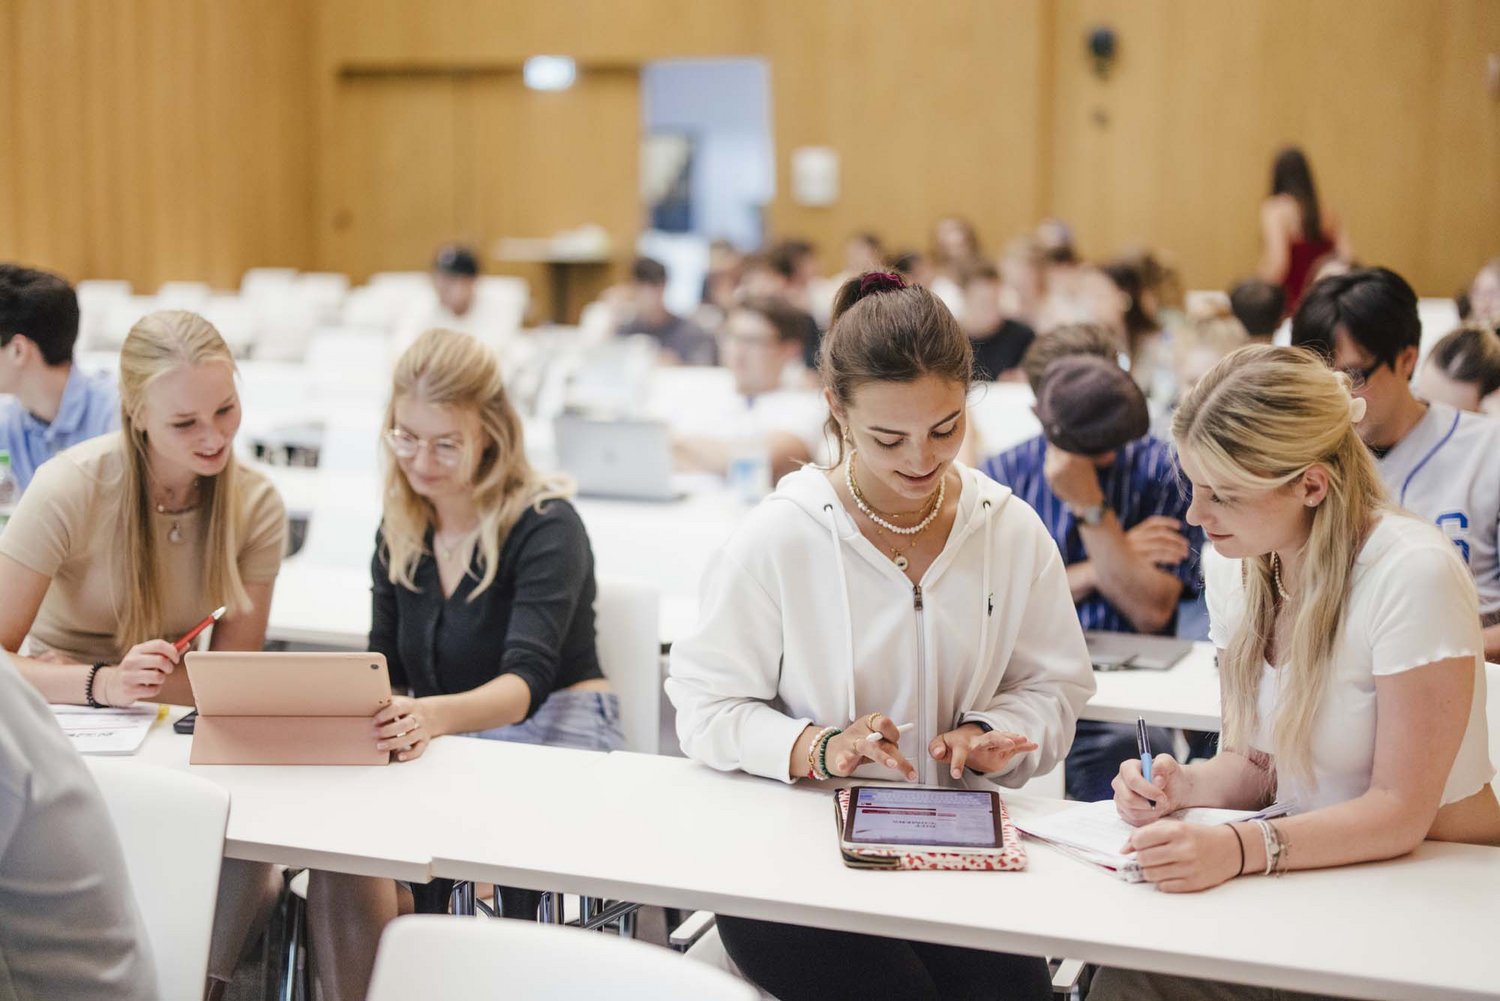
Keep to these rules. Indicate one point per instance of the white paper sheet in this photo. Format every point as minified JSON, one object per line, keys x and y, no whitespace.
{"x":108,"y":730}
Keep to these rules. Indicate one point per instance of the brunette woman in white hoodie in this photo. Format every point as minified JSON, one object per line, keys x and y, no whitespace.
{"x":894,"y":587}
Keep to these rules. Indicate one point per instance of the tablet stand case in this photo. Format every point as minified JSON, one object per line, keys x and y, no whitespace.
{"x":1012,"y":854}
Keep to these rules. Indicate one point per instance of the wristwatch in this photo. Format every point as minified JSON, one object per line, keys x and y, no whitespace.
{"x":1091,"y":515}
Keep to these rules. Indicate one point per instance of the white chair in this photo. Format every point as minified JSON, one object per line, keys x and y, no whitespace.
{"x":627,"y":621}
{"x":171,"y":827}
{"x":267,"y":283}
{"x":235,"y":319}
{"x":444,"y":959}
{"x":96,"y":298}
{"x":183,"y":295}
{"x":323,"y":292}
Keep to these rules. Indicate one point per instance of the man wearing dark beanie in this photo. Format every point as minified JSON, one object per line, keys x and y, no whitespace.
{"x":1110,"y":494}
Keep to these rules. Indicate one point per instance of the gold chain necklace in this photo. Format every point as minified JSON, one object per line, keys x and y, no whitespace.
{"x":884,"y":527}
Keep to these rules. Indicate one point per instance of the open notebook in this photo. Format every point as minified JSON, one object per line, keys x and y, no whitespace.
{"x":1094,"y":832}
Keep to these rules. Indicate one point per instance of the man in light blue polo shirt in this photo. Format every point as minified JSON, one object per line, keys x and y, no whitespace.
{"x":52,"y":403}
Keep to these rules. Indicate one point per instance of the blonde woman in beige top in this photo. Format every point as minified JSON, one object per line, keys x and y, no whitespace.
{"x":121,"y":544}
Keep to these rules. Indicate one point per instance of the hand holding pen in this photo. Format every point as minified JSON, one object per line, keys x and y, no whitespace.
{"x":1149,"y":787}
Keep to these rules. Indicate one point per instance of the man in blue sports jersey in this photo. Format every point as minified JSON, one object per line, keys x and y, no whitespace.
{"x":1112,"y":497}
{"x":1439,"y":463}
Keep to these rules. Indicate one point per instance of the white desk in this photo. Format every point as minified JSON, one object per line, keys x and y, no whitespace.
{"x":377,"y":821}
{"x":751,"y":847}
{"x":1186,"y":695}
{"x":667,"y":831}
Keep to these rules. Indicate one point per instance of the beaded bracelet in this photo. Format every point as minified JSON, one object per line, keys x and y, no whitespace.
{"x":812,"y":753}
{"x":88,"y":687}
{"x":823,"y":739}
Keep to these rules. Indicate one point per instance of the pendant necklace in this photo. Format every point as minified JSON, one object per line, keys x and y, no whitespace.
{"x":174,"y":534}
{"x":898,"y":554}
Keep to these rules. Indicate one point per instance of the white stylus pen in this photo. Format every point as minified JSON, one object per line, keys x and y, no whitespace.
{"x":903,"y":728}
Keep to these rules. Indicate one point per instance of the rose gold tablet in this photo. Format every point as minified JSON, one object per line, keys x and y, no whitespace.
{"x":287,"y":708}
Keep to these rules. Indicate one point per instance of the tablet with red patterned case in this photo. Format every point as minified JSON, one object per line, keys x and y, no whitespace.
{"x":1010,"y":856}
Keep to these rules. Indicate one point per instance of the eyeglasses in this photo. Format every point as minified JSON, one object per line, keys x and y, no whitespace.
{"x":1359,"y":376}
{"x":404,"y":445}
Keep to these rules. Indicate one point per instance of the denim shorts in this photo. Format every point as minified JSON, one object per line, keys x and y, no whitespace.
{"x":588,"y":721}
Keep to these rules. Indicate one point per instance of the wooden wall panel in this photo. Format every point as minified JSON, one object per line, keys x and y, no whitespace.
{"x":932,"y":114}
{"x":398,"y":190}
{"x":1174,"y":148}
{"x":157,"y":139}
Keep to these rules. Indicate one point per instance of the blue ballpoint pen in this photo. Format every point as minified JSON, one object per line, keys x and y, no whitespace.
{"x":1143,"y":744}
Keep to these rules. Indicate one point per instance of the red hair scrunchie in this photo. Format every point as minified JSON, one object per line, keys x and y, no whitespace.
{"x":880,"y":281}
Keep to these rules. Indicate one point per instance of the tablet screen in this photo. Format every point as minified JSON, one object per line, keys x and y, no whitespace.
{"x":946,"y":818}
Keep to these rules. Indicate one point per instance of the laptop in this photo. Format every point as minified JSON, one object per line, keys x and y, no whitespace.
{"x":1133,"y":652}
{"x":287,"y":708}
{"x":622,"y":459}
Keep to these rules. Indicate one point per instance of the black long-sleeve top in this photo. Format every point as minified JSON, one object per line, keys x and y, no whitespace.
{"x":535,"y":620}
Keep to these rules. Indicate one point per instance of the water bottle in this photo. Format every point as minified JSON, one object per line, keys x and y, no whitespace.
{"x":749,"y":476}
{"x":10,"y":490}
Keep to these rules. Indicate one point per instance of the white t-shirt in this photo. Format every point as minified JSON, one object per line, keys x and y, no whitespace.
{"x":1447,"y":471}
{"x":1410,"y":604}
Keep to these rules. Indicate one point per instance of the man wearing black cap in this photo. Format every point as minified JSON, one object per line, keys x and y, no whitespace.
{"x":1111,"y":496}
{"x":455,"y":275}
{"x":456,"y":304}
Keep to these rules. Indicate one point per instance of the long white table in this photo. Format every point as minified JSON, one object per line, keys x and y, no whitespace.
{"x":667,"y":831}
{"x":1185,"y":695}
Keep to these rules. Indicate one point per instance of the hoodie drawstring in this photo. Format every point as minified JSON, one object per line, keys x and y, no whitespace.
{"x":838,"y":555}
{"x":986,"y":612}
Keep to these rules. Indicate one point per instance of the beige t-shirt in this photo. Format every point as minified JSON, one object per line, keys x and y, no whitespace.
{"x":66,"y":528}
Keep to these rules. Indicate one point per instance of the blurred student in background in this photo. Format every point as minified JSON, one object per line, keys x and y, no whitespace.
{"x":955,"y":249}
{"x":52,"y":403}
{"x":1259,"y":306}
{"x":1480,"y":304}
{"x":679,"y":340}
{"x":775,"y":412}
{"x":1463,"y":371}
{"x":999,"y":342}
{"x":1297,"y":231}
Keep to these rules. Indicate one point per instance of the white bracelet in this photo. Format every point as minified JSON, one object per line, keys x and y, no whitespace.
{"x":1272,"y":843}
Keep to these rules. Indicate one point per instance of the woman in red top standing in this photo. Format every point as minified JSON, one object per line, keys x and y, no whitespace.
{"x":1295,"y":233}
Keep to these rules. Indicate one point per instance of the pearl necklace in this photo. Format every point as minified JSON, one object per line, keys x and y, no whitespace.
{"x":869,"y":512}
{"x":1276,"y":577}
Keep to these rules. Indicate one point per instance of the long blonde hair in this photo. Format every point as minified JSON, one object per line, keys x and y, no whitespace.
{"x":455,"y":370}
{"x":1257,"y":421}
{"x":157,"y":344}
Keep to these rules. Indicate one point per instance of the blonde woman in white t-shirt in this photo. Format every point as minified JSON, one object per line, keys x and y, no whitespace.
{"x":1349,"y":650}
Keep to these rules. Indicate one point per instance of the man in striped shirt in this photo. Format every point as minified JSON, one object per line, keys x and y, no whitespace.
{"x":1112,"y":497}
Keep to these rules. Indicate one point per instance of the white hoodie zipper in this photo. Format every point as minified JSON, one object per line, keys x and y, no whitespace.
{"x":922,"y":758}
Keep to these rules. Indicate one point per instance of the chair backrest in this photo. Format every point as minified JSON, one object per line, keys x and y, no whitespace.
{"x":627,"y":622}
{"x":438,"y":958}
{"x":171,"y":827}
{"x":1492,"y":712}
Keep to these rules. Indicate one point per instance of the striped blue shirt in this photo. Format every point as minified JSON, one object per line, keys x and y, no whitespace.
{"x":1142,"y":482}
